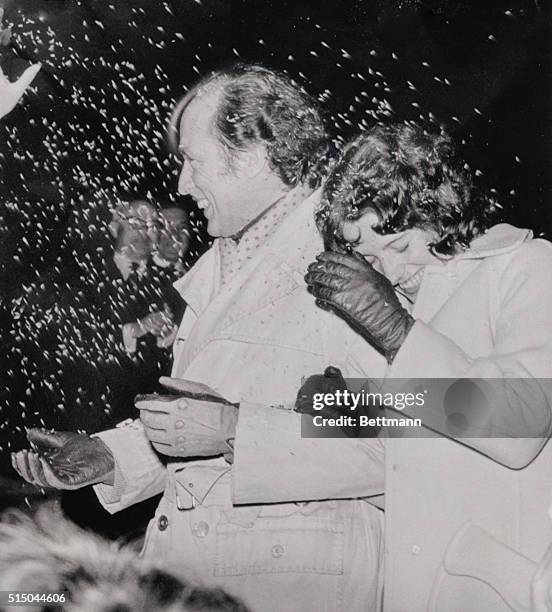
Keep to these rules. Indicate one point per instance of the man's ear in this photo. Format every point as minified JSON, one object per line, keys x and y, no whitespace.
{"x":252,"y":162}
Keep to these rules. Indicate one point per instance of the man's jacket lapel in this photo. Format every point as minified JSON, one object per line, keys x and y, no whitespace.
{"x":275,"y":272}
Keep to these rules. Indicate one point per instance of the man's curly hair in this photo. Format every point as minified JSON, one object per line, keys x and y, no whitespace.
{"x":259,"y":105}
{"x":409,"y":178}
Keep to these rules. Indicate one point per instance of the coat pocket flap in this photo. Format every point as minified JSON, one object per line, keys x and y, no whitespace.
{"x":475,"y":553}
{"x":295,"y":544}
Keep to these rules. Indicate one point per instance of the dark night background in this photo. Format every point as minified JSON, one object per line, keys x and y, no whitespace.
{"x":112,"y":69}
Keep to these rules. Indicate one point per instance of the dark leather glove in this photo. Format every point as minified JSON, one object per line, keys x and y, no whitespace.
{"x":331,"y":381}
{"x":361,"y":296}
{"x":64,"y":460}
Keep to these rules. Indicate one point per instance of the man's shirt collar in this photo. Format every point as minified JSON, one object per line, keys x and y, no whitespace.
{"x":236,"y":250}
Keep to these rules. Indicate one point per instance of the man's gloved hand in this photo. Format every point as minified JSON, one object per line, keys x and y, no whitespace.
{"x":197,"y":422}
{"x":363,"y":297}
{"x":194,"y":390}
{"x":64,"y":460}
{"x":331,"y":381}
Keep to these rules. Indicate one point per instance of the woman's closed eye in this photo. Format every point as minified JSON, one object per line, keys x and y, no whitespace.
{"x":400,"y":247}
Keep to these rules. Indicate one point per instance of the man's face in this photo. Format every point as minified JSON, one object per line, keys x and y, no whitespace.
{"x":401,"y":257}
{"x":136,"y":231}
{"x":226,"y":195}
{"x":134,"y":246}
{"x":174,"y":236}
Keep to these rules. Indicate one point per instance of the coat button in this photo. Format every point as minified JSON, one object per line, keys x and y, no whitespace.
{"x":179,"y":424}
{"x":277,"y":551}
{"x":182,"y":404}
{"x":181,"y":443}
{"x":162,"y":523}
{"x":201,"y":529}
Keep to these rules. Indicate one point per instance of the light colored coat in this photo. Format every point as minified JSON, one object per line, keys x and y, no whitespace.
{"x":463,"y":531}
{"x":252,"y":340}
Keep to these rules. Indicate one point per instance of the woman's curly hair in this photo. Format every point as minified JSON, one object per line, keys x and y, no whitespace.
{"x":409,"y":178}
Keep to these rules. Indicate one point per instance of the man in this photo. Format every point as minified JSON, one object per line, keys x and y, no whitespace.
{"x":254,"y":149}
{"x":114,"y":329}
{"x":173,"y":239}
{"x":134,"y":230}
{"x":145,"y":311}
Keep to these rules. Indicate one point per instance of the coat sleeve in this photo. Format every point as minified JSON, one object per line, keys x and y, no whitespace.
{"x":518,"y":397}
{"x":139,"y":474}
{"x":273,"y":463}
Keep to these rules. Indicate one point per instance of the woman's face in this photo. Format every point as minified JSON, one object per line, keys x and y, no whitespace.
{"x":400,"y":257}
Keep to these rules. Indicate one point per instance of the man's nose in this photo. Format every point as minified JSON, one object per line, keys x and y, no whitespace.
{"x":185,"y":182}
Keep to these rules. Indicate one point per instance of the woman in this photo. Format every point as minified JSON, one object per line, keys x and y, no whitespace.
{"x":415,"y":266}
